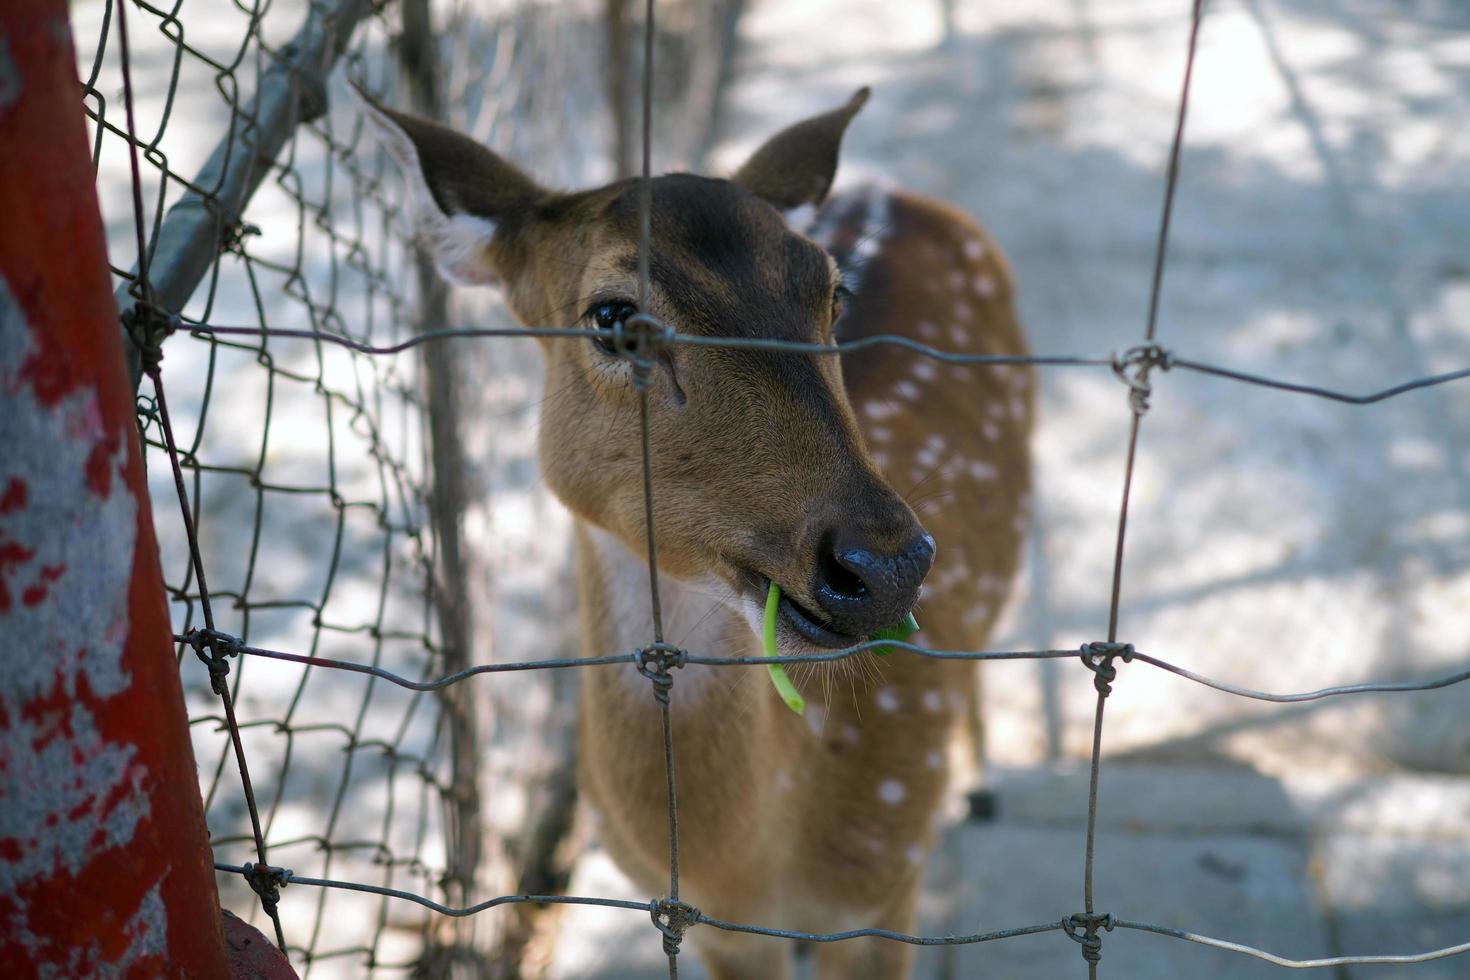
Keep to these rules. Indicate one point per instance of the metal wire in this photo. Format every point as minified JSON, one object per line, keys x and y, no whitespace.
{"x":397,"y":509}
{"x":831,"y":656}
{"x":842,"y":347}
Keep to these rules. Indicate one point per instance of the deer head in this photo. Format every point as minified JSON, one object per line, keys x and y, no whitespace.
{"x":759,"y":468}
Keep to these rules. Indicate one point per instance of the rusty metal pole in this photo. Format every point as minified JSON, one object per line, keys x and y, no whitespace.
{"x":105,"y":866}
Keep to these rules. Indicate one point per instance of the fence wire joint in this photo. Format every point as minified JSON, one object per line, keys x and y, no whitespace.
{"x":1098,"y":658}
{"x":267,"y":882}
{"x":672,"y":917}
{"x":638,"y":340}
{"x":149,"y":326}
{"x":655,"y":661}
{"x":1132,"y":368}
{"x":232,"y":236}
{"x":214,"y":648}
{"x":1081,"y":928}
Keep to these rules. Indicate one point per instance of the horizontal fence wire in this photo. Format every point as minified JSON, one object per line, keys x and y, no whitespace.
{"x":218,"y":649}
{"x":833,"y":656}
{"x":1116,"y":361}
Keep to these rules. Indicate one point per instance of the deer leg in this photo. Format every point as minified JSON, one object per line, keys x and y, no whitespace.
{"x":735,"y":956}
{"x":874,"y":959}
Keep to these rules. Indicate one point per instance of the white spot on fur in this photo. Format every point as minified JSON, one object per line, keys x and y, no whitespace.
{"x":973,"y":249}
{"x":914,"y":854}
{"x":928,"y":329}
{"x":977,"y":614}
{"x":934,"y":759}
{"x":816,"y":719}
{"x":879,"y":434}
{"x":959,"y":335}
{"x":984,"y":286}
{"x":925,"y":370}
{"x":980,"y":470}
{"x":990,"y":430}
{"x":1018,"y":409}
{"x":851,"y":735}
{"x":783,"y":781}
{"x":906,"y":390}
{"x":962,"y":310}
{"x":886,"y":698}
{"x":892,"y":792}
{"x":879,"y":410}
{"x":932,"y":700}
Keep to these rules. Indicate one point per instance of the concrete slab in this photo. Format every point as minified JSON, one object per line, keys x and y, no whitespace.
{"x":1397,"y":896}
{"x":1245,"y":889}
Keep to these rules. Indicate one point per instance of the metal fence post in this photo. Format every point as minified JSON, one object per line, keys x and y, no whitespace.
{"x":105,"y":867}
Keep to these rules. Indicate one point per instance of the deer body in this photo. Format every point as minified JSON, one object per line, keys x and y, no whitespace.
{"x":779,"y":467}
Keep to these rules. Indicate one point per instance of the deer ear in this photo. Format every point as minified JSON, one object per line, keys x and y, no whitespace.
{"x":796,"y":166}
{"x":461,"y":190}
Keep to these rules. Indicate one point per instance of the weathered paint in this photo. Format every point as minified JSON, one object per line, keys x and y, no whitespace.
{"x":105,"y":868}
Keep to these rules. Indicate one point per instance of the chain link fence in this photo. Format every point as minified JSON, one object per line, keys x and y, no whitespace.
{"x":320,"y":505}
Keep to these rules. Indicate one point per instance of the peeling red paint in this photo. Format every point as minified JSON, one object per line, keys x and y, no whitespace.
{"x":99,"y":467}
{"x":107,"y":869}
{"x":12,"y":556}
{"x":14,"y":497}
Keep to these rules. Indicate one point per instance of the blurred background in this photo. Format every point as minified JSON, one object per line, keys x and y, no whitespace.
{"x":389,"y":510}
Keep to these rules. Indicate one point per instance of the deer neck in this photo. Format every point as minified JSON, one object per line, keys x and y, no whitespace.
{"x":617,"y":618}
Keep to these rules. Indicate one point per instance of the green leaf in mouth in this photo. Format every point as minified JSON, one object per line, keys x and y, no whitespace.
{"x":779,"y":680}
{"x":900,"y":631}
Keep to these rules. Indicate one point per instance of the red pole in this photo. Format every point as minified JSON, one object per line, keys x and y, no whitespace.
{"x":105,"y":866}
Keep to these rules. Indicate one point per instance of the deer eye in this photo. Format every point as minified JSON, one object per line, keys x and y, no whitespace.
{"x":840,"y":295}
{"x":606,"y":316}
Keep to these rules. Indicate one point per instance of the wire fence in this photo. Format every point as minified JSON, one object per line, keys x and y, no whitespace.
{"x":338,"y":364}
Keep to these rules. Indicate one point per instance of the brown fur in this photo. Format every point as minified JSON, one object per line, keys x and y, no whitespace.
{"x":818,"y":823}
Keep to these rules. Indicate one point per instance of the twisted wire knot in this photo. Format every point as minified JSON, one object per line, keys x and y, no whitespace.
{"x":638,"y":340}
{"x":672,"y":917}
{"x":655,"y":661}
{"x":1081,"y":928}
{"x":148,"y":326}
{"x":233,"y":235}
{"x":267,"y":882}
{"x":215,"y":649}
{"x":1132,"y":368}
{"x":146,"y":409}
{"x":1098,"y":657}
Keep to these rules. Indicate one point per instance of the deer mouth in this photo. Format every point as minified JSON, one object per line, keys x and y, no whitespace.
{"x":801,"y":620}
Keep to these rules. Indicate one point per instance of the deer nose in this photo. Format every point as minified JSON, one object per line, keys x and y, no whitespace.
{"x":861,"y":588}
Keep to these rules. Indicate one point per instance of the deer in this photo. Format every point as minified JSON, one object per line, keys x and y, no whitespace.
{"x":807,"y":470}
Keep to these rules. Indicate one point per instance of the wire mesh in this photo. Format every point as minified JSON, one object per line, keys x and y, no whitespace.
{"x":374,"y":412}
